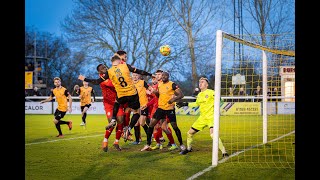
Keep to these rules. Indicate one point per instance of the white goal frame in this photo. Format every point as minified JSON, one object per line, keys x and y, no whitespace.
{"x":217,"y":88}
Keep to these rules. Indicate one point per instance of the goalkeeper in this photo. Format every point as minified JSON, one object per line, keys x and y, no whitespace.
{"x":205,"y":100}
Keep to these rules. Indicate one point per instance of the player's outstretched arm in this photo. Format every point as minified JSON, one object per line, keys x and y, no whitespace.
{"x":48,"y":99}
{"x":177,"y":95}
{"x":139,"y":71}
{"x":181,"y":104}
{"x":70,"y":102}
{"x":93,"y":81}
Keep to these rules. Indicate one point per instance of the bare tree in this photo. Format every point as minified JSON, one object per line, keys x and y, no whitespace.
{"x":61,"y":61}
{"x":150,"y":27}
{"x":271,"y":17}
{"x":193,"y":17}
{"x":102,"y":27}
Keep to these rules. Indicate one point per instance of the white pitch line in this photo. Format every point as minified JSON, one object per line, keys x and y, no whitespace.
{"x":81,"y":137}
{"x":232,"y":155}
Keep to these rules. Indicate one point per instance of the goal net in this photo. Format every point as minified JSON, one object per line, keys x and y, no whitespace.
{"x":255,"y":76}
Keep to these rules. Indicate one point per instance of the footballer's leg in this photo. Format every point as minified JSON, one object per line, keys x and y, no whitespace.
{"x":119,"y":129}
{"x":221,"y":146}
{"x":190,"y":135}
{"x":164,"y":126}
{"x":173,"y":121}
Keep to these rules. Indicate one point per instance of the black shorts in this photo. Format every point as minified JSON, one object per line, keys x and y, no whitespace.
{"x":161,"y":114}
{"x":144,"y":112}
{"x":133,"y":101}
{"x":87,"y":105}
{"x":59,"y":114}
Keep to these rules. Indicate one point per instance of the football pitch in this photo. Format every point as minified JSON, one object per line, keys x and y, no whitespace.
{"x":78,"y":155}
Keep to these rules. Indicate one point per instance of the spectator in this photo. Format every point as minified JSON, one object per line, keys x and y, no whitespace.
{"x":269,"y":94}
{"x":275,"y":92}
{"x":36,"y":92}
{"x":25,"y":95}
{"x":258,"y":93}
{"x":231,"y":90}
{"x":241,"y":93}
{"x":195,"y":92}
{"x":75,"y":91}
{"x":30,"y":67}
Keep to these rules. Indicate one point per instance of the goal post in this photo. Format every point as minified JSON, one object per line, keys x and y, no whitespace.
{"x":255,"y":126}
{"x":217,"y":94}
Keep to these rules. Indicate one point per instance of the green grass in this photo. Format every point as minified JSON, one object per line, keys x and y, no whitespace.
{"x":79,"y":155}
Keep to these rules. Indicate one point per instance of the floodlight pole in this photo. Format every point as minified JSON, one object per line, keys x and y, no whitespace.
{"x":35,"y":60}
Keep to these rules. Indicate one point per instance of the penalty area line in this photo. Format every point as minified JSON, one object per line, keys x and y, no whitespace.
{"x":81,"y":137}
{"x":232,"y":155}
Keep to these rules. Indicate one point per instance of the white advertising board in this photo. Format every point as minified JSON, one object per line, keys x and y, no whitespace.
{"x":286,"y":107}
{"x":271,"y":108}
{"x":95,"y":108}
{"x":37,"y":108}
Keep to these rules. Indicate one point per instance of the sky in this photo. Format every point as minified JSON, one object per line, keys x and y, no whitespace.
{"x":45,"y":15}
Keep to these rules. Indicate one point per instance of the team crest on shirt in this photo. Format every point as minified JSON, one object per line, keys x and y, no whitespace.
{"x":207,"y":96}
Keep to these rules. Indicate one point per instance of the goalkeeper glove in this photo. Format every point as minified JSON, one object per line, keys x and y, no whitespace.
{"x":221,"y":102}
{"x":180,"y":104}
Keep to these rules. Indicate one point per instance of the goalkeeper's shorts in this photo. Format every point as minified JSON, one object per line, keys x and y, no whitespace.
{"x":202,"y":122}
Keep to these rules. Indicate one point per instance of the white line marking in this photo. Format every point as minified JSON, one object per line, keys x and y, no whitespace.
{"x":234,"y":154}
{"x":81,"y":137}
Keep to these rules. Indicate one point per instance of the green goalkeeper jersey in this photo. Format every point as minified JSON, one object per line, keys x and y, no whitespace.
{"x":205,"y":100}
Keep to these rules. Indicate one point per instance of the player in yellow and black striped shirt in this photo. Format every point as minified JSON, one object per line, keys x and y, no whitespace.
{"x":62,"y":96}
{"x":168,"y":93}
{"x":119,"y":74}
{"x":86,"y":93}
{"x":142,"y":87}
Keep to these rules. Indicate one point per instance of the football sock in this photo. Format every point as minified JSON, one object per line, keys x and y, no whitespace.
{"x":134,"y":120}
{"x":119,"y":130}
{"x":63,"y":122}
{"x":170,"y":137}
{"x":159,"y":132}
{"x":84,"y":117}
{"x":108,"y":132}
{"x":115,"y":110}
{"x":178,"y":133}
{"x":137,"y":132}
{"x":221,"y":146}
{"x":149,"y":134}
{"x":189,"y":140}
{"x":59,"y":128}
{"x":169,"y":129}
{"x":145,"y":127}
{"x":148,"y":120}
{"x":126,"y":119}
